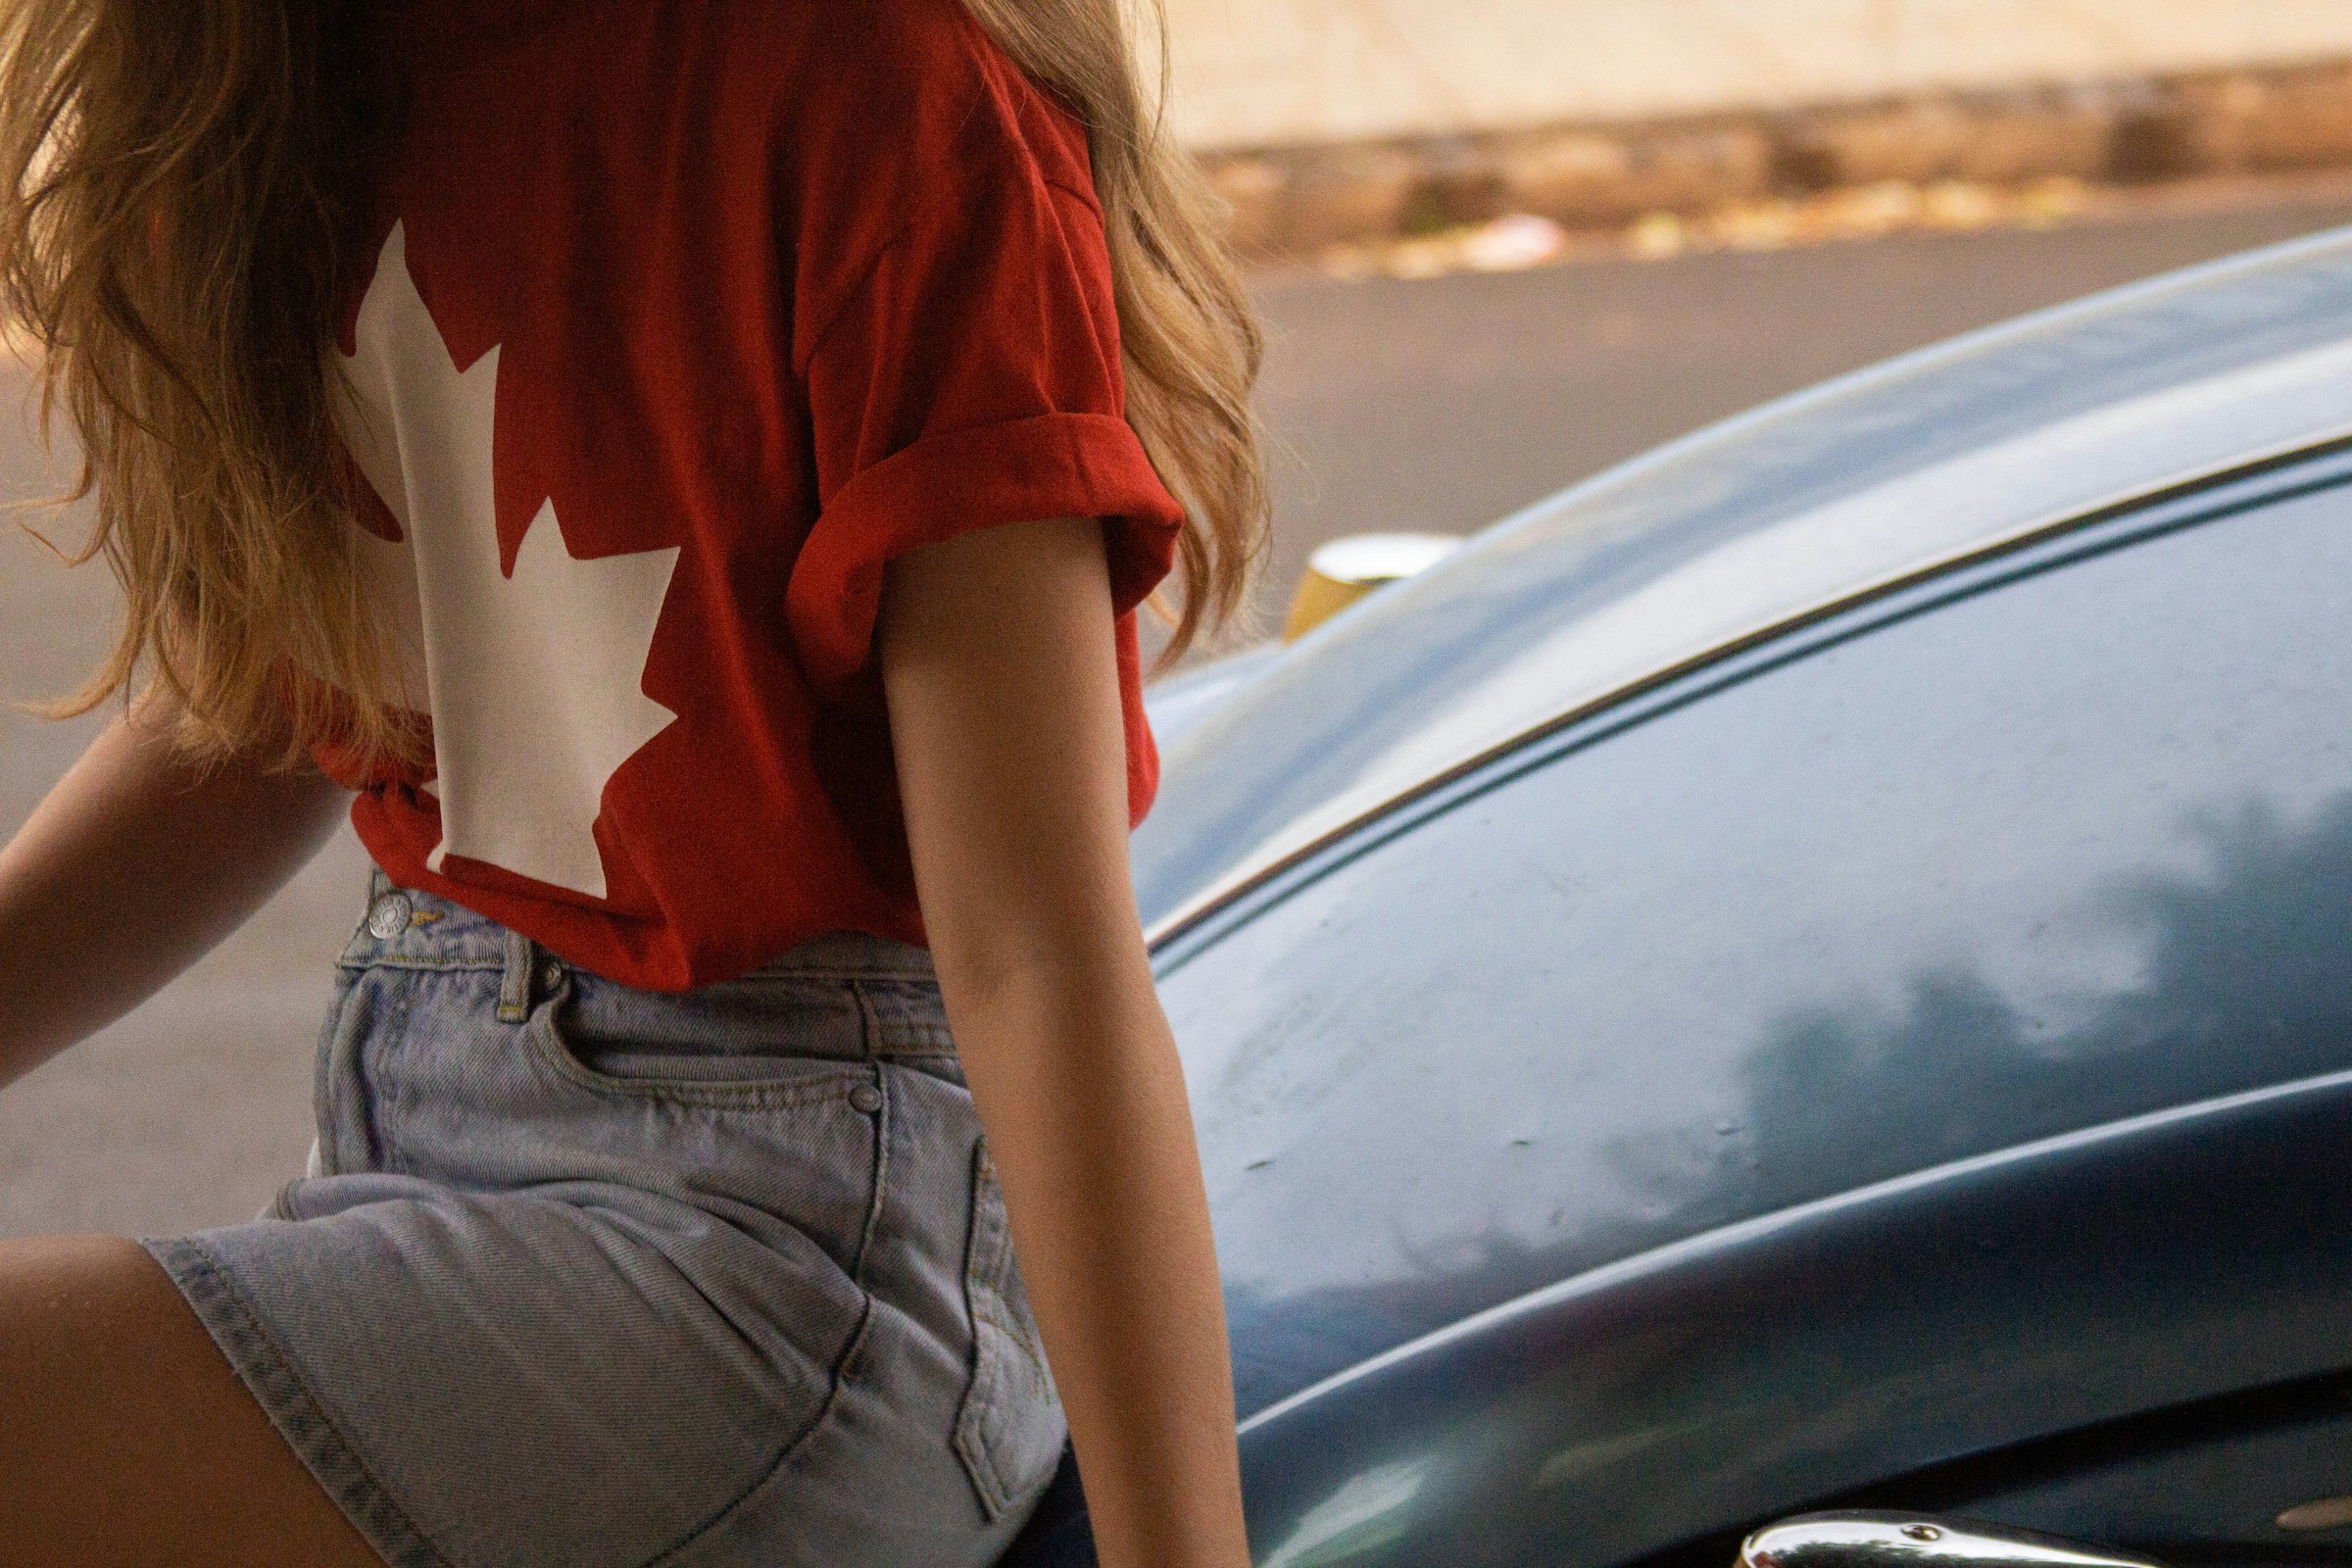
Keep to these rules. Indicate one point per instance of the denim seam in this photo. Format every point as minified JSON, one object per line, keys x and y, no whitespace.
{"x":792,"y":1450}
{"x":497,"y":964}
{"x":868,"y":1026}
{"x":1023,"y":1334}
{"x":278,"y":1385}
{"x":934,"y":1041}
{"x":383,"y":961}
{"x":518,"y":979}
{"x":982,"y":1417}
{"x":323,"y":1121}
{"x":886,"y":1036}
{"x":976,"y":1414}
{"x":748,"y":1095}
{"x":383,"y":1088}
{"x":835,"y":972}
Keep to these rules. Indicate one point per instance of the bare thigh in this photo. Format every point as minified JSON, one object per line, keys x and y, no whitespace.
{"x":125,"y":1437}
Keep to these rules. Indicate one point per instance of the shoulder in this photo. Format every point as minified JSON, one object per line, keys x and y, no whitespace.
{"x":913,"y":89}
{"x":912,"y":132}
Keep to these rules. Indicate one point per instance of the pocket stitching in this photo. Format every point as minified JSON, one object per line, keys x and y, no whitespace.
{"x":546,"y":1044}
{"x":983,"y":1415}
{"x":793,"y":1450}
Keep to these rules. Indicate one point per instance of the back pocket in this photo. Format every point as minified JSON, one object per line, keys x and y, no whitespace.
{"x":1010,"y":1432}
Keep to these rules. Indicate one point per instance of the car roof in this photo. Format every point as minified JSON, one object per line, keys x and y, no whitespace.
{"x":1721,"y":538}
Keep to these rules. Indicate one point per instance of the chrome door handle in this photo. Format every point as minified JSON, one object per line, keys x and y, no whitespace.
{"x":1918,"y":1541}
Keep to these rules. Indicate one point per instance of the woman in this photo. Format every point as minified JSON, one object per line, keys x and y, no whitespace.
{"x":685,"y":472}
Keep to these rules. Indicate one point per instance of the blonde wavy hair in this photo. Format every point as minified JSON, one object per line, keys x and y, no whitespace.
{"x":180,"y":193}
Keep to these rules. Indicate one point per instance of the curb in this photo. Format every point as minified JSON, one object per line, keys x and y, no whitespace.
{"x":1294,"y":201}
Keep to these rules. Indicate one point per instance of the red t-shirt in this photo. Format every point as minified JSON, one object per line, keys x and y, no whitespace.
{"x":681,"y":321}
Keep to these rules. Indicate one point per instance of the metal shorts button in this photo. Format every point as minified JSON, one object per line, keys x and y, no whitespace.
{"x":866,"y":1098}
{"x":388,"y":917}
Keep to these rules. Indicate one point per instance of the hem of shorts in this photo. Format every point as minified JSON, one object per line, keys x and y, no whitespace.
{"x":272,"y":1380}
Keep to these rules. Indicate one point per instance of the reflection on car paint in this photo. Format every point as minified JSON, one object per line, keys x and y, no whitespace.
{"x":1749,"y":523}
{"x":2053,"y":855}
{"x":1918,"y":1043}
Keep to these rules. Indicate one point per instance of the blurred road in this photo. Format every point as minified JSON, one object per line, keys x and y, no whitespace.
{"x":1439,"y":405}
{"x":1446,"y":404}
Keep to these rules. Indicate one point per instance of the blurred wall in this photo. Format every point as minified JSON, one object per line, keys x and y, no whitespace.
{"x":1291,"y":72}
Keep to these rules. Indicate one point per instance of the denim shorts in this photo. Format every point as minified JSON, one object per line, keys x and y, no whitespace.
{"x":585,"y":1274}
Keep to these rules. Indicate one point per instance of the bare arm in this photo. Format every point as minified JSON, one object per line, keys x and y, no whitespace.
{"x":1004,"y":698}
{"x":131,"y":869}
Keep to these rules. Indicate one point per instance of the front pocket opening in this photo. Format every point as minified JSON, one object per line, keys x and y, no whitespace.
{"x":715,"y":1080}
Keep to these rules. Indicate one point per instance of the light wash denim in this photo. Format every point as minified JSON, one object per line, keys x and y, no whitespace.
{"x":590,"y":1275}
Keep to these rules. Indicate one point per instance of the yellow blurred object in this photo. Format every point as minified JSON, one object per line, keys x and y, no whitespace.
{"x":1340,"y":572}
{"x":1316,"y":601}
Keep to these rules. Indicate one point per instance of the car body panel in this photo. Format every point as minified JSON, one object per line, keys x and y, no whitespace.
{"x":1904,"y":1036}
{"x":1750,"y":523}
{"x":2053,"y":842}
{"x":1758,"y":1369}
{"x":2248,"y":1477}
{"x":1176,"y":702}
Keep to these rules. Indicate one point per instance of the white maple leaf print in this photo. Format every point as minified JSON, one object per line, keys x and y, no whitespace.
{"x":535,"y":682}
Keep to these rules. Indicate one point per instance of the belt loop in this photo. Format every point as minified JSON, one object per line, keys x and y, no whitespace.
{"x":515,"y":986}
